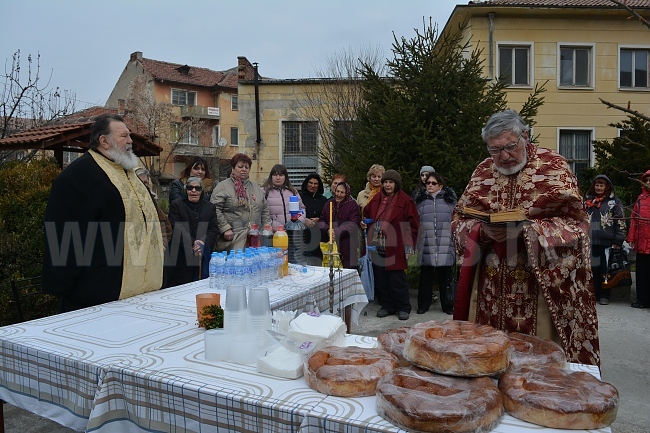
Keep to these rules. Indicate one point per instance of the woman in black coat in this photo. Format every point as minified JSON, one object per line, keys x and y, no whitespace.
{"x":195,"y":230}
{"x":312,"y":197}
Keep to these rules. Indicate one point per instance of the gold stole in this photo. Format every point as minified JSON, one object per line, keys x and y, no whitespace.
{"x":143,"y":247}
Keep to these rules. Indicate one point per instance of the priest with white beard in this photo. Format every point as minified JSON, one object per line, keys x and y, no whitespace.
{"x":103,"y":240}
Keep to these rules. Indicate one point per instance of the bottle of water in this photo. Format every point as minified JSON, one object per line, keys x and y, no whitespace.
{"x":229,"y":270}
{"x":267,"y":236}
{"x":295,"y":229}
{"x":249,"y":269}
{"x":212,"y":270}
{"x":240,"y":270}
{"x":221,"y":271}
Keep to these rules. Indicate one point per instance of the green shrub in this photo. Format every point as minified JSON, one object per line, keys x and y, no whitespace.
{"x":24,"y":190}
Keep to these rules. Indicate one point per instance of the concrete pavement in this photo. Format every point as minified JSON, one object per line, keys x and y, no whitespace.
{"x":624,"y":344}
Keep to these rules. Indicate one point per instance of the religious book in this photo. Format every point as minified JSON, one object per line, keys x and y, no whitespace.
{"x":506,"y":216}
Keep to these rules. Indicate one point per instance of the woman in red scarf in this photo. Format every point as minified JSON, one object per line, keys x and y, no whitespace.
{"x":393,"y":233}
{"x":607,"y":229}
{"x":345,"y":222}
{"x":639,"y":239}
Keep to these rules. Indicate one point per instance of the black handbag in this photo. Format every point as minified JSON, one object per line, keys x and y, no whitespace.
{"x":452,"y":285}
{"x":617,"y":261}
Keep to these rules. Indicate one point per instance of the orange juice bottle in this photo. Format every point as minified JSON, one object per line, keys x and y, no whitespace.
{"x":281,"y":240}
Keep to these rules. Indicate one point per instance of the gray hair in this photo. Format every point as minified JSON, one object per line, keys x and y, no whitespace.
{"x":194,"y":179}
{"x":504,"y":121}
{"x":141,"y":171}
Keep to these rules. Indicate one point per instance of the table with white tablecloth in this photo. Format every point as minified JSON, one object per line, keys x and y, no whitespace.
{"x":55,"y":366}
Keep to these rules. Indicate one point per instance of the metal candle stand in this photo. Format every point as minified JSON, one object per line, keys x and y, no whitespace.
{"x":331,"y":256}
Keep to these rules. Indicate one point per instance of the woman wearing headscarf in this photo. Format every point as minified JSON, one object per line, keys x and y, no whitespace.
{"x":278,"y":191}
{"x":639,"y":238}
{"x":197,"y":167}
{"x":373,"y":186}
{"x":312,"y":197}
{"x":345,"y":224}
{"x":435,"y":246}
{"x":393,"y":233}
{"x":607,"y":229}
{"x":240,"y":203}
{"x":195,"y":231}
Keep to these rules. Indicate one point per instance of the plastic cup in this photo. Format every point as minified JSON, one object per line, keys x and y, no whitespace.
{"x":258,"y":302}
{"x":217,"y":345}
{"x":244,"y":349}
{"x":235,"y":298}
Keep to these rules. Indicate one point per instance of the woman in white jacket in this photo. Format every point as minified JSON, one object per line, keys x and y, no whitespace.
{"x":278,"y":190}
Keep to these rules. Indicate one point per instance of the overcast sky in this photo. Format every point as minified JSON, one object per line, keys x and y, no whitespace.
{"x":85,"y":44}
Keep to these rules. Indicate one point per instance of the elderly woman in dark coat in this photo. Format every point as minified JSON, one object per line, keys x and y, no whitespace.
{"x":312,"y":197}
{"x":345,"y":224}
{"x":194,"y":221}
{"x":435,"y":247}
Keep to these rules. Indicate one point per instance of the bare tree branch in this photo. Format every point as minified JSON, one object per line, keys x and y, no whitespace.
{"x":626,"y":110}
{"x":632,"y":11}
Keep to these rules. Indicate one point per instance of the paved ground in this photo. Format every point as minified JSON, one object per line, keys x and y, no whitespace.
{"x":625,"y":349}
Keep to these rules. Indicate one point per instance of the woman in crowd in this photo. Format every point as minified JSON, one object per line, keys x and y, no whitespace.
{"x":312,"y":197}
{"x":336,"y":179}
{"x":420,"y":186}
{"x":278,"y":190}
{"x":373,"y":186}
{"x":393,"y":233}
{"x":639,"y":239}
{"x":345,"y":224}
{"x":436,"y":254}
{"x":197,"y":167}
{"x":607,"y":229}
{"x":195,"y":231}
{"x":239,"y":204}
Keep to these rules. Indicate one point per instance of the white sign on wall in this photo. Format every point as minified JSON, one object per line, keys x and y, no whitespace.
{"x":213,"y":111}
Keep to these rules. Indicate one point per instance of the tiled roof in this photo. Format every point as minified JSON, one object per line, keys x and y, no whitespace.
{"x":41,"y":133}
{"x":563,"y":3}
{"x":195,"y":76}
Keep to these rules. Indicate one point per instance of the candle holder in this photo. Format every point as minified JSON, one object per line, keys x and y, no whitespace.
{"x":331,"y":254}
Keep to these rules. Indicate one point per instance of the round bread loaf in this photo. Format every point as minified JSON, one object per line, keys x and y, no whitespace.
{"x":393,"y":341}
{"x":558,"y":398}
{"x":458,"y":348}
{"x":416,"y":399}
{"x":348,"y":371}
{"x":532,"y":350}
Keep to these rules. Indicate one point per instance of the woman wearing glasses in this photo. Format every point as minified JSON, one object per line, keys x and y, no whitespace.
{"x":195,"y":230}
{"x":435,"y":246}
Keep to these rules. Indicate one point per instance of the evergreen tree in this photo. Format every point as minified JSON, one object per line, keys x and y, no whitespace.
{"x":624,"y":159}
{"x":429,"y":110}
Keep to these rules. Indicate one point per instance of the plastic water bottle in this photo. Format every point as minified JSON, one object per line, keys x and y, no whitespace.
{"x":295,"y":229}
{"x":281,"y":240}
{"x":267,"y":236}
{"x":229,"y":270}
{"x":240,"y":270}
{"x":249,"y":269}
{"x":221,"y":271}
{"x":212,"y":270}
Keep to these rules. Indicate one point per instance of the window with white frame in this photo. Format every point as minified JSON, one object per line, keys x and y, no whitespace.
{"x":634,"y":67}
{"x":234,"y":102}
{"x":575,"y":146}
{"x":576,"y":64}
{"x":300,"y":149}
{"x":183,"y":97}
{"x":515,"y":64}
{"x":184,"y":134}
{"x":234,"y":136}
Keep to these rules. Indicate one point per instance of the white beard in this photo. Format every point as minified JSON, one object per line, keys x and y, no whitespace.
{"x":509,"y":171}
{"x":126,"y":158}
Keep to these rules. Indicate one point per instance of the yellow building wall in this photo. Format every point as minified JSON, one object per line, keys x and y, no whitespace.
{"x":566,"y":108}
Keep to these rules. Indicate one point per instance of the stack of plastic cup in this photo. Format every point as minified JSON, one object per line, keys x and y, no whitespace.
{"x":259,"y":316}
{"x":236,"y":312}
{"x":217,"y":344}
{"x":243,"y":349}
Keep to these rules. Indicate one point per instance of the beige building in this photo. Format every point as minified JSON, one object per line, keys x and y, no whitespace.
{"x":209,"y":97}
{"x":584,"y":50}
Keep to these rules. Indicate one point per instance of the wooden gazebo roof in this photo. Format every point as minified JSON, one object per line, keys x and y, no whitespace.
{"x":72,"y":134}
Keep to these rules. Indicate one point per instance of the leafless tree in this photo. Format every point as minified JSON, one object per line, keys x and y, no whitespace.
{"x":27,"y":100}
{"x":335,"y":97}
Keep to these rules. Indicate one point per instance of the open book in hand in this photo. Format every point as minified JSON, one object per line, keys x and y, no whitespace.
{"x":506,"y":216}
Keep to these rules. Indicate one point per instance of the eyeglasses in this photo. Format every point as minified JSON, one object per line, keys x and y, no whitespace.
{"x":194,"y":187}
{"x":431,"y":183}
{"x":510,"y":147}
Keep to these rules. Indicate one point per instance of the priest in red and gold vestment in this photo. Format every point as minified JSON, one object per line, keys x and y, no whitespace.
{"x":535,"y":276}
